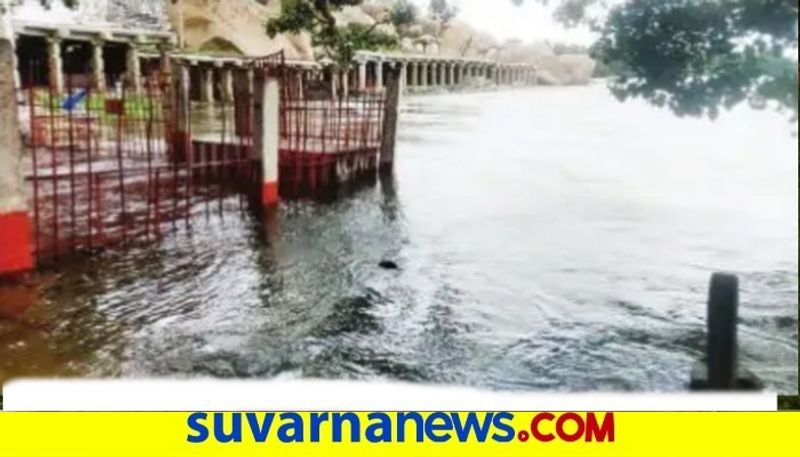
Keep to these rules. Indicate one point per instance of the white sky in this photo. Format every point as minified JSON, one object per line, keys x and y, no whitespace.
{"x":528,"y":22}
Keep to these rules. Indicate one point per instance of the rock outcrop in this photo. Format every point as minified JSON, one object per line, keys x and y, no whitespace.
{"x":556,"y":70}
{"x":238,"y":27}
{"x":235,"y":27}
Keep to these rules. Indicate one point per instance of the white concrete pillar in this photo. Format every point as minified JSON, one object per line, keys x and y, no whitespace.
{"x":440,"y":73}
{"x":55,"y":64}
{"x":98,"y":66}
{"x":15,"y":224}
{"x":134,"y":68}
{"x":207,"y":84}
{"x":267,"y":136}
{"x":362,"y":76}
{"x":424,"y":73}
{"x":379,"y":74}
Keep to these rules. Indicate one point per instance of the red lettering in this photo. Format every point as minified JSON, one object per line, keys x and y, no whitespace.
{"x":600,"y":433}
{"x":564,"y":434}
{"x":541,"y":437}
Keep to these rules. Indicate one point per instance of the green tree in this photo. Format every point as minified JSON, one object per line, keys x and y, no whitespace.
{"x":317,"y":18}
{"x":404,"y":12}
{"x":443,"y":11}
{"x":696,"y":56}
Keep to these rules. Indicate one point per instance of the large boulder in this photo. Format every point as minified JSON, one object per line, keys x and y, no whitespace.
{"x":517,"y":52}
{"x":569,"y":69}
{"x":462,"y":40}
{"x":430,"y":26}
{"x":413,"y":31}
{"x":377,"y":10}
{"x":236,"y":26}
{"x":407,"y":45}
{"x":387,"y":29}
{"x":578,"y":68}
{"x":353,"y":15}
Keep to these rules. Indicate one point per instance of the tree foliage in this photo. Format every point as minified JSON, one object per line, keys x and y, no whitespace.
{"x":443,"y":11}
{"x":695,"y":56}
{"x":692,"y":56}
{"x":404,"y":12}
{"x":698,"y":56}
{"x":339,"y":44}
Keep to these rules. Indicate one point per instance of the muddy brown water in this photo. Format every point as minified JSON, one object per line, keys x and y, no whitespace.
{"x":547,"y":239}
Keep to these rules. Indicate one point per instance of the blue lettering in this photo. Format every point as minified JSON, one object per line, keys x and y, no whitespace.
{"x":402,"y":418}
{"x":260,"y":430}
{"x":236,"y":428}
{"x":465,"y":430}
{"x":195,"y":423}
{"x":502,"y":422}
{"x":294,"y":425}
{"x":355,"y":427}
{"x":317,"y":419}
{"x":379,"y":429}
{"x":446,"y":425}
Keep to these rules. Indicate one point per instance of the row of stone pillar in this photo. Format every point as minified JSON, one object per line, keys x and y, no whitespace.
{"x":208,"y":80}
{"x":413,"y":74}
{"x":431,"y":73}
{"x":55,"y":61}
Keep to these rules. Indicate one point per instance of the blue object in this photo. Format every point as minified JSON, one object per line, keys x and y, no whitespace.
{"x":74,"y":100}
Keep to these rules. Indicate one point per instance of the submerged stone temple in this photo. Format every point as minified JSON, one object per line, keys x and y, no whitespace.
{"x":100,"y":40}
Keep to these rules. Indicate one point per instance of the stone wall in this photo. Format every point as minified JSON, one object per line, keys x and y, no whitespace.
{"x":144,"y":14}
{"x":235,"y":27}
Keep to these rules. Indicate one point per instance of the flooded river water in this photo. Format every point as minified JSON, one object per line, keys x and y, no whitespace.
{"x":548,"y":239}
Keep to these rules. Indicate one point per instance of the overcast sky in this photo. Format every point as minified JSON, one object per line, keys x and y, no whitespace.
{"x":528,"y":22}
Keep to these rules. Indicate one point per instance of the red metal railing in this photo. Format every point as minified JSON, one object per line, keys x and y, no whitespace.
{"x":106,"y":169}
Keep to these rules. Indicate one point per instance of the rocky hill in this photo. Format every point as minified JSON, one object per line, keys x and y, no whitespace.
{"x":237,"y":26}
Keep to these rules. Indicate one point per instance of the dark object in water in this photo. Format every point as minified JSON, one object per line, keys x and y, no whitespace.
{"x":720,"y":371}
{"x":389,"y":265}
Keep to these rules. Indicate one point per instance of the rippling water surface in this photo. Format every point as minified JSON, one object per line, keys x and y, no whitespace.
{"x":549,"y":239}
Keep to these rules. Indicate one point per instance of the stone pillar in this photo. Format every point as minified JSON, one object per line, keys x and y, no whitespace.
{"x":390,"y":116}
{"x":379,"y":74}
{"x":346,"y":82}
{"x":15,"y":224}
{"x":134,"y":67}
{"x":334,"y":76}
{"x":227,"y":85}
{"x":403,"y":77}
{"x":55,"y":65}
{"x":98,"y":66}
{"x":207,"y":84}
{"x":267,"y":134}
{"x":451,"y":74}
{"x":441,"y":73}
{"x":362,"y":76}
{"x":424,"y":73}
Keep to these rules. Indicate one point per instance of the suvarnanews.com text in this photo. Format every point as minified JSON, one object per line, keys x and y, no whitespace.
{"x":400,"y":427}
